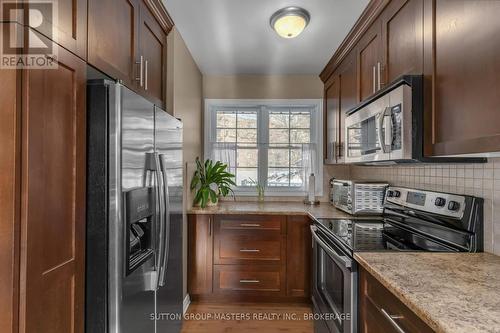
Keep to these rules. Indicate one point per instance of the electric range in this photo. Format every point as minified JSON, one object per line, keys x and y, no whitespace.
{"x":413,"y":220}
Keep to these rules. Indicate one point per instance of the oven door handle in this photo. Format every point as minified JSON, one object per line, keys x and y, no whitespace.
{"x":381,"y":138}
{"x":341,"y":260}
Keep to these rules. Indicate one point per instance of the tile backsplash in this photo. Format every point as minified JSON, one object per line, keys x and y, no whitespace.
{"x":481,"y":180}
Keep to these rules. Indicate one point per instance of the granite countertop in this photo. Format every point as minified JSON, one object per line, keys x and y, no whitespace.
{"x":324,"y":210}
{"x":451,"y":292}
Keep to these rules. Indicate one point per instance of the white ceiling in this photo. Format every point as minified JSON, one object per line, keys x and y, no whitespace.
{"x":234,"y":36}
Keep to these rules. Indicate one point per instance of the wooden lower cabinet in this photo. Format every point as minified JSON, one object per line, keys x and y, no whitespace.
{"x":380,"y":311}
{"x":200,"y":254}
{"x":249,"y":279}
{"x":249,"y":257}
{"x":299,"y":255}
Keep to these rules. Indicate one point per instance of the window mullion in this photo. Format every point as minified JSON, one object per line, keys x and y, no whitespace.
{"x":263,"y":135}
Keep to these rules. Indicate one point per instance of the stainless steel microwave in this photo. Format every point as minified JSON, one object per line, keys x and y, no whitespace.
{"x":388,"y":128}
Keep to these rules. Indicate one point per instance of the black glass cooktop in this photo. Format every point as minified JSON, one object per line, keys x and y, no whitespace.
{"x":378,"y":235}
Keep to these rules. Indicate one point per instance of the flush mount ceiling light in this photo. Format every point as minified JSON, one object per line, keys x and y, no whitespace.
{"x":289,"y":22}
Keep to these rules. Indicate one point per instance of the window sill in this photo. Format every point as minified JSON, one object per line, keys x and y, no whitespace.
{"x":275,"y":194}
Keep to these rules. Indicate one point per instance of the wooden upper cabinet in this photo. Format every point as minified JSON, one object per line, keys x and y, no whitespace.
{"x":402,"y":39}
{"x":68,"y":29}
{"x":53,"y":197}
{"x":332,"y":119}
{"x":348,"y":97}
{"x":348,"y":84}
{"x":113,"y":38}
{"x":341,"y":94}
{"x":461,"y":69}
{"x":153,"y":50}
{"x":131,"y":47}
{"x":369,"y":54}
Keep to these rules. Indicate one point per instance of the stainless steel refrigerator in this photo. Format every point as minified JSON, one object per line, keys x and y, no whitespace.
{"x":134,"y":213}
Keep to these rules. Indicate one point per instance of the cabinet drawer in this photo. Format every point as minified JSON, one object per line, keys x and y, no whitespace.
{"x":244,"y":247}
{"x":260,"y":222}
{"x":234,"y":278}
{"x":248,"y":246}
{"x":378,"y":301}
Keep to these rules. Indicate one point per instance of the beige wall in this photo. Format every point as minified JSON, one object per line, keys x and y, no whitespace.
{"x":262,"y":87}
{"x":184,"y":101}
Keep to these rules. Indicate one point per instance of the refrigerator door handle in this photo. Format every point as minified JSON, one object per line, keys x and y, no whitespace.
{"x":161,"y":201}
{"x":166,"y":230}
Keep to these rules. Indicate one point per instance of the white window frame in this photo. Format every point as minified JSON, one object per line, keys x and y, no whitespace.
{"x":316,"y":105}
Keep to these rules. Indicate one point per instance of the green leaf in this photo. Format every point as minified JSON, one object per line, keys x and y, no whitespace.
{"x":210,"y":180}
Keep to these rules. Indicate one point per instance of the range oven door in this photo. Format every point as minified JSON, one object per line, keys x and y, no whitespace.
{"x":381,"y":131}
{"x":333,"y":287}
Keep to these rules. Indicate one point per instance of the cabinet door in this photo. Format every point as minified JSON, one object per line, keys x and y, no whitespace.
{"x":377,"y":304}
{"x":10,"y":113}
{"x":348,"y":97}
{"x":369,"y":61}
{"x":112,"y":38}
{"x":200,"y":254}
{"x":332,"y":119}
{"x":461,"y":66}
{"x":53,"y":197}
{"x":402,"y":33}
{"x":298,"y":268}
{"x":70,"y":28}
{"x":153,"y":49}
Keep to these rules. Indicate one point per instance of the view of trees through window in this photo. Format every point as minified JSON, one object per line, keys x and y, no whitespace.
{"x":269,"y":145}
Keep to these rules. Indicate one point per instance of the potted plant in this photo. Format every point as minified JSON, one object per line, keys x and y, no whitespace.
{"x":211,"y":180}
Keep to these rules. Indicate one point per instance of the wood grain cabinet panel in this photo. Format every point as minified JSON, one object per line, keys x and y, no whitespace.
{"x":113,"y":30}
{"x":402,"y":39}
{"x":53,"y":197}
{"x":10,"y":138}
{"x":62,"y":21}
{"x":200,"y":254}
{"x":333,"y":130}
{"x":369,"y":60}
{"x":249,"y":258}
{"x":243,"y":239}
{"x":255,"y":279}
{"x":377,"y":304}
{"x":298,"y":246}
{"x":341,"y":94}
{"x":461,"y":69}
{"x":153,"y":49}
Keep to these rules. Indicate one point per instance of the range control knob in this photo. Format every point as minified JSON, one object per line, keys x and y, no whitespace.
{"x":440,"y":202}
{"x":397,"y":194}
{"x":390,"y":194}
{"x":453,"y":205}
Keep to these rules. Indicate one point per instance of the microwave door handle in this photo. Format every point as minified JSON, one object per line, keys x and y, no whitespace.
{"x":165,"y":250}
{"x":381,"y":137}
{"x":374,"y":76}
{"x":342,"y":260}
{"x":334,"y":151}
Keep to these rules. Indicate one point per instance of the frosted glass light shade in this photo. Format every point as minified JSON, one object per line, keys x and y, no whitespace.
{"x":290,"y":22}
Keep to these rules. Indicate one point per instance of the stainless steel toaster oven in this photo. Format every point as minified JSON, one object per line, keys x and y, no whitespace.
{"x":358,"y":198}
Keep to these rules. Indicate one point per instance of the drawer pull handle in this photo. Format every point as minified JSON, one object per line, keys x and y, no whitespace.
{"x":249,"y":281}
{"x":249,"y":225}
{"x":249,"y":250}
{"x":392,"y":319}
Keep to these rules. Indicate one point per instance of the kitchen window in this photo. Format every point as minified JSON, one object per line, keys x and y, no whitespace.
{"x":274,"y":143}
